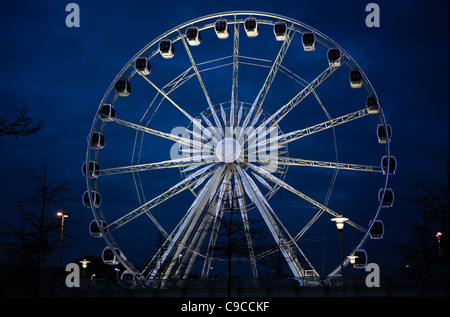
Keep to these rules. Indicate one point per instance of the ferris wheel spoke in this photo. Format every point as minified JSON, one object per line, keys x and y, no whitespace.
{"x":267,"y":213}
{"x":222,"y":190}
{"x":217,"y":132}
{"x":202,"y":84}
{"x":171,"y":86}
{"x":212,"y":218}
{"x":285,"y":109}
{"x":171,"y":192}
{"x":239,"y":116}
{"x":193,"y":161}
{"x":288,"y":187}
{"x":292,"y":136}
{"x":291,"y":241}
{"x":196,"y":207}
{"x":163,"y":247}
{"x":235,"y":78}
{"x":243,"y":209}
{"x":178,"y":81}
{"x":165,"y":95}
{"x":184,"y":141}
{"x":217,"y":211}
{"x":281,"y":160}
{"x":274,"y":68}
{"x":213,"y":237}
{"x":247,"y":119}
{"x":194,"y":65}
{"x":190,"y":241}
{"x":197,"y":241}
{"x":184,"y":112}
{"x":308,"y":225}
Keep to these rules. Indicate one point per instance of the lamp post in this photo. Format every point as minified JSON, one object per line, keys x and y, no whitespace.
{"x":352,"y":258}
{"x":62,"y":215}
{"x":438,"y":236}
{"x":340,"y":226}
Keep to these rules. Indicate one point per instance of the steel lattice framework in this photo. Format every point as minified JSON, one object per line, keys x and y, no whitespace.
{"x":233,"y":156}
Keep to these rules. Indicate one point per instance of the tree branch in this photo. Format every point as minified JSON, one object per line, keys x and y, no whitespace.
{"x":22,"y":125}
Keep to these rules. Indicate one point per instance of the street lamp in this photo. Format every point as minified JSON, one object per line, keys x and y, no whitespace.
{"x":438,"y":236}
{"x":339,"y":222}
{"x":84,"y":264}
{"x":352,"y":258}
{"x":62,"y":215}
{"x":340,"y":226}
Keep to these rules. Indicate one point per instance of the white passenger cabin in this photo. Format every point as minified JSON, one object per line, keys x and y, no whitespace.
{"x":193,"y":36}
{"x":334,"y":57}
{"x":251,"y":27}
{"x":356,"y":79}
{"x":123,"y":87}
{"x":142,"y":65}
{"x":166,"y":48}
{"x":221,"y":28}
{"x":309,"y":41}
{"x":280,"y":30}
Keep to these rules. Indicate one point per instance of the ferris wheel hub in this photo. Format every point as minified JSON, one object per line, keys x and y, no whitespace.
{"x":228,"y":150}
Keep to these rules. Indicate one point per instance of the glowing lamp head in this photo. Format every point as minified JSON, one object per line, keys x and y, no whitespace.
{"x":61,"y":214}
{"x":352,"y":258}
{"x":84,"y":263}
{"x":339,"y":222}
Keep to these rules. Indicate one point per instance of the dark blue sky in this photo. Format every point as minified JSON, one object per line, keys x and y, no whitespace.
{"x":62,"y":73}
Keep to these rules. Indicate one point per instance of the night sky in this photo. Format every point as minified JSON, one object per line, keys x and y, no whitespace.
{"x":61,"y":75}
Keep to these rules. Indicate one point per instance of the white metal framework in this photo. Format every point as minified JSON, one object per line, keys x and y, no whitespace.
{"x":202,"y":125}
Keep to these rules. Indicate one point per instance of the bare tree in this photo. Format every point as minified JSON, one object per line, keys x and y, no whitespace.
{"x":422,"y":248}
{"x":232,"y":238}
{"x":38,"y":234}
{"x":21,"y":125}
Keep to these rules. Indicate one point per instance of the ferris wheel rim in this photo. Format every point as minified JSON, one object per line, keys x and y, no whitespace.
{"x":369,"y":87}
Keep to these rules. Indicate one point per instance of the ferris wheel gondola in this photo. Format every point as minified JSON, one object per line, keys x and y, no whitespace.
{"x":251,"y":27}
{"x":309,"y":41}
{"x":280,"y":30}
{"x":222,"y":28}
{"x":166,"y":48}
{"x":142,"y":65}
{"x":193,"y":36}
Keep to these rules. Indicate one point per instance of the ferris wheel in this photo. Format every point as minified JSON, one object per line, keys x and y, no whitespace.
{"x":197,"y":132}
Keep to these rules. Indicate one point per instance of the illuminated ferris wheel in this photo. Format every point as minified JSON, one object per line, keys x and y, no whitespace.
{"x":197,"y":132}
